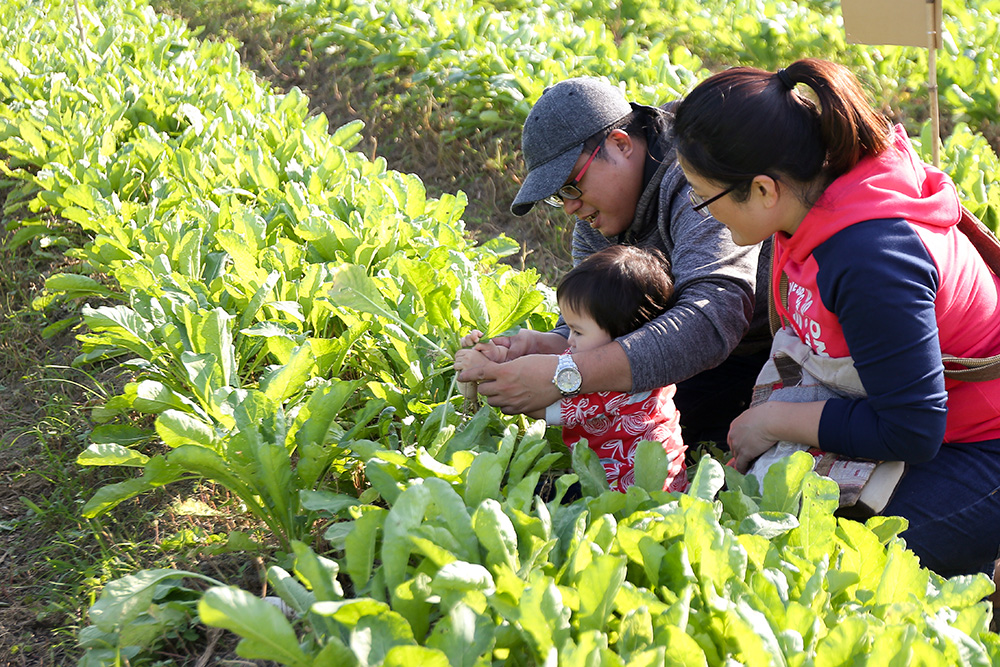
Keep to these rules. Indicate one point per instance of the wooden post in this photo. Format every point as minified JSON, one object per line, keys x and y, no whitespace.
{"x":79,"y":22}
{"x":932,"y":87}
{"x":901,"y":22}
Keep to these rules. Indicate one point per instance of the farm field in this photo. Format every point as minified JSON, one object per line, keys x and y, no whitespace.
{"x":240,"y":243}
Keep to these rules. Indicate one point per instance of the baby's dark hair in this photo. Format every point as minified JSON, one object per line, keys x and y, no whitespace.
{"x":622,"y":287}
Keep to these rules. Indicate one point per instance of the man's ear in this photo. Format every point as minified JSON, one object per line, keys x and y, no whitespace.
{"x":620,"y":141}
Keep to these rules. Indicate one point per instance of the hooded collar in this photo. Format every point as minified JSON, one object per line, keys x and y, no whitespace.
{"x":893,"y":184}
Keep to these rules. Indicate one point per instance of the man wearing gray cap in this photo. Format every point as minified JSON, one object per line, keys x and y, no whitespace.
{"x":611,"y":164}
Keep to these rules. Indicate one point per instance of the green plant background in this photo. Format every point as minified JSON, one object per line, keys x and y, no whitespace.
{"x":263,"y":310}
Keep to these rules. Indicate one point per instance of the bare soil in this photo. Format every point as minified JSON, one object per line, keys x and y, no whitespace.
{"x":53,"y":561}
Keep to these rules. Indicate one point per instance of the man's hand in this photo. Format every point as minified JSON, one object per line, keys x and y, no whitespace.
{"x":524,"y":384}
{"x":519,"y":386}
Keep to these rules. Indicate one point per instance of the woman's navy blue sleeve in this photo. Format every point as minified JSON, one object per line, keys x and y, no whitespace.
{"x":881,"y":282}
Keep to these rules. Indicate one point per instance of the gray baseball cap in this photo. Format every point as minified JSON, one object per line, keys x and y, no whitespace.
{"x":563,"y":118}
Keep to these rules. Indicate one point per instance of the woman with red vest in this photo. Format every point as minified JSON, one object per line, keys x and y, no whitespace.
{"x":878,"y":272}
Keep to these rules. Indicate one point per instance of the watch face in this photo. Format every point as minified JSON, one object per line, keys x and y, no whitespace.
{"x":568,"y":380}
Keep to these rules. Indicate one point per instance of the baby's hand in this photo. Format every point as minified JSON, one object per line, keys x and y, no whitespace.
{"x":495,"y":353}
{"x":463,"y":358}
{"x":471,"y":338}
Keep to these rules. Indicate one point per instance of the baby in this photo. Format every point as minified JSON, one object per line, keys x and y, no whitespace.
{"x":607,"y":295}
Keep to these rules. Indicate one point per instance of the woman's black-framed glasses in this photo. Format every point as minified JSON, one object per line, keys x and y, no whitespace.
{"x":698,"y":202}
{"x":570,"y":190}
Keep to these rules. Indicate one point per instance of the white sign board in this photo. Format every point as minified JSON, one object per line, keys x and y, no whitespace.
{"x":902,"y":22}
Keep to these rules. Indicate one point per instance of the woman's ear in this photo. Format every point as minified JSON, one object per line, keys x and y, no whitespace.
{"x":766,"y":188}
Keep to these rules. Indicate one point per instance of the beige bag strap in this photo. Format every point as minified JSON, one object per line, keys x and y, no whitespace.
{"x":772,"y":312}
{"x":977,"y":369}
{"x":974,"y":369}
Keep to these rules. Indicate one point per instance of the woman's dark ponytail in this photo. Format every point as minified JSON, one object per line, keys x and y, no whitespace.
{"x":745,"y":121}
{"x":850,"y":127}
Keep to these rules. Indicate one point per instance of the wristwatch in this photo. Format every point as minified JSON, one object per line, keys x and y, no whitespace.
{"x":567,"y":378}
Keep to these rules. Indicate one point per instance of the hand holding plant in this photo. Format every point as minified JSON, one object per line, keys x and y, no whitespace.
{"x":489,"y":349}
{"x":530,"y":341}
{"x":471,"y":339}
{"x":472,"y":363}
{"x":469,"y":360}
